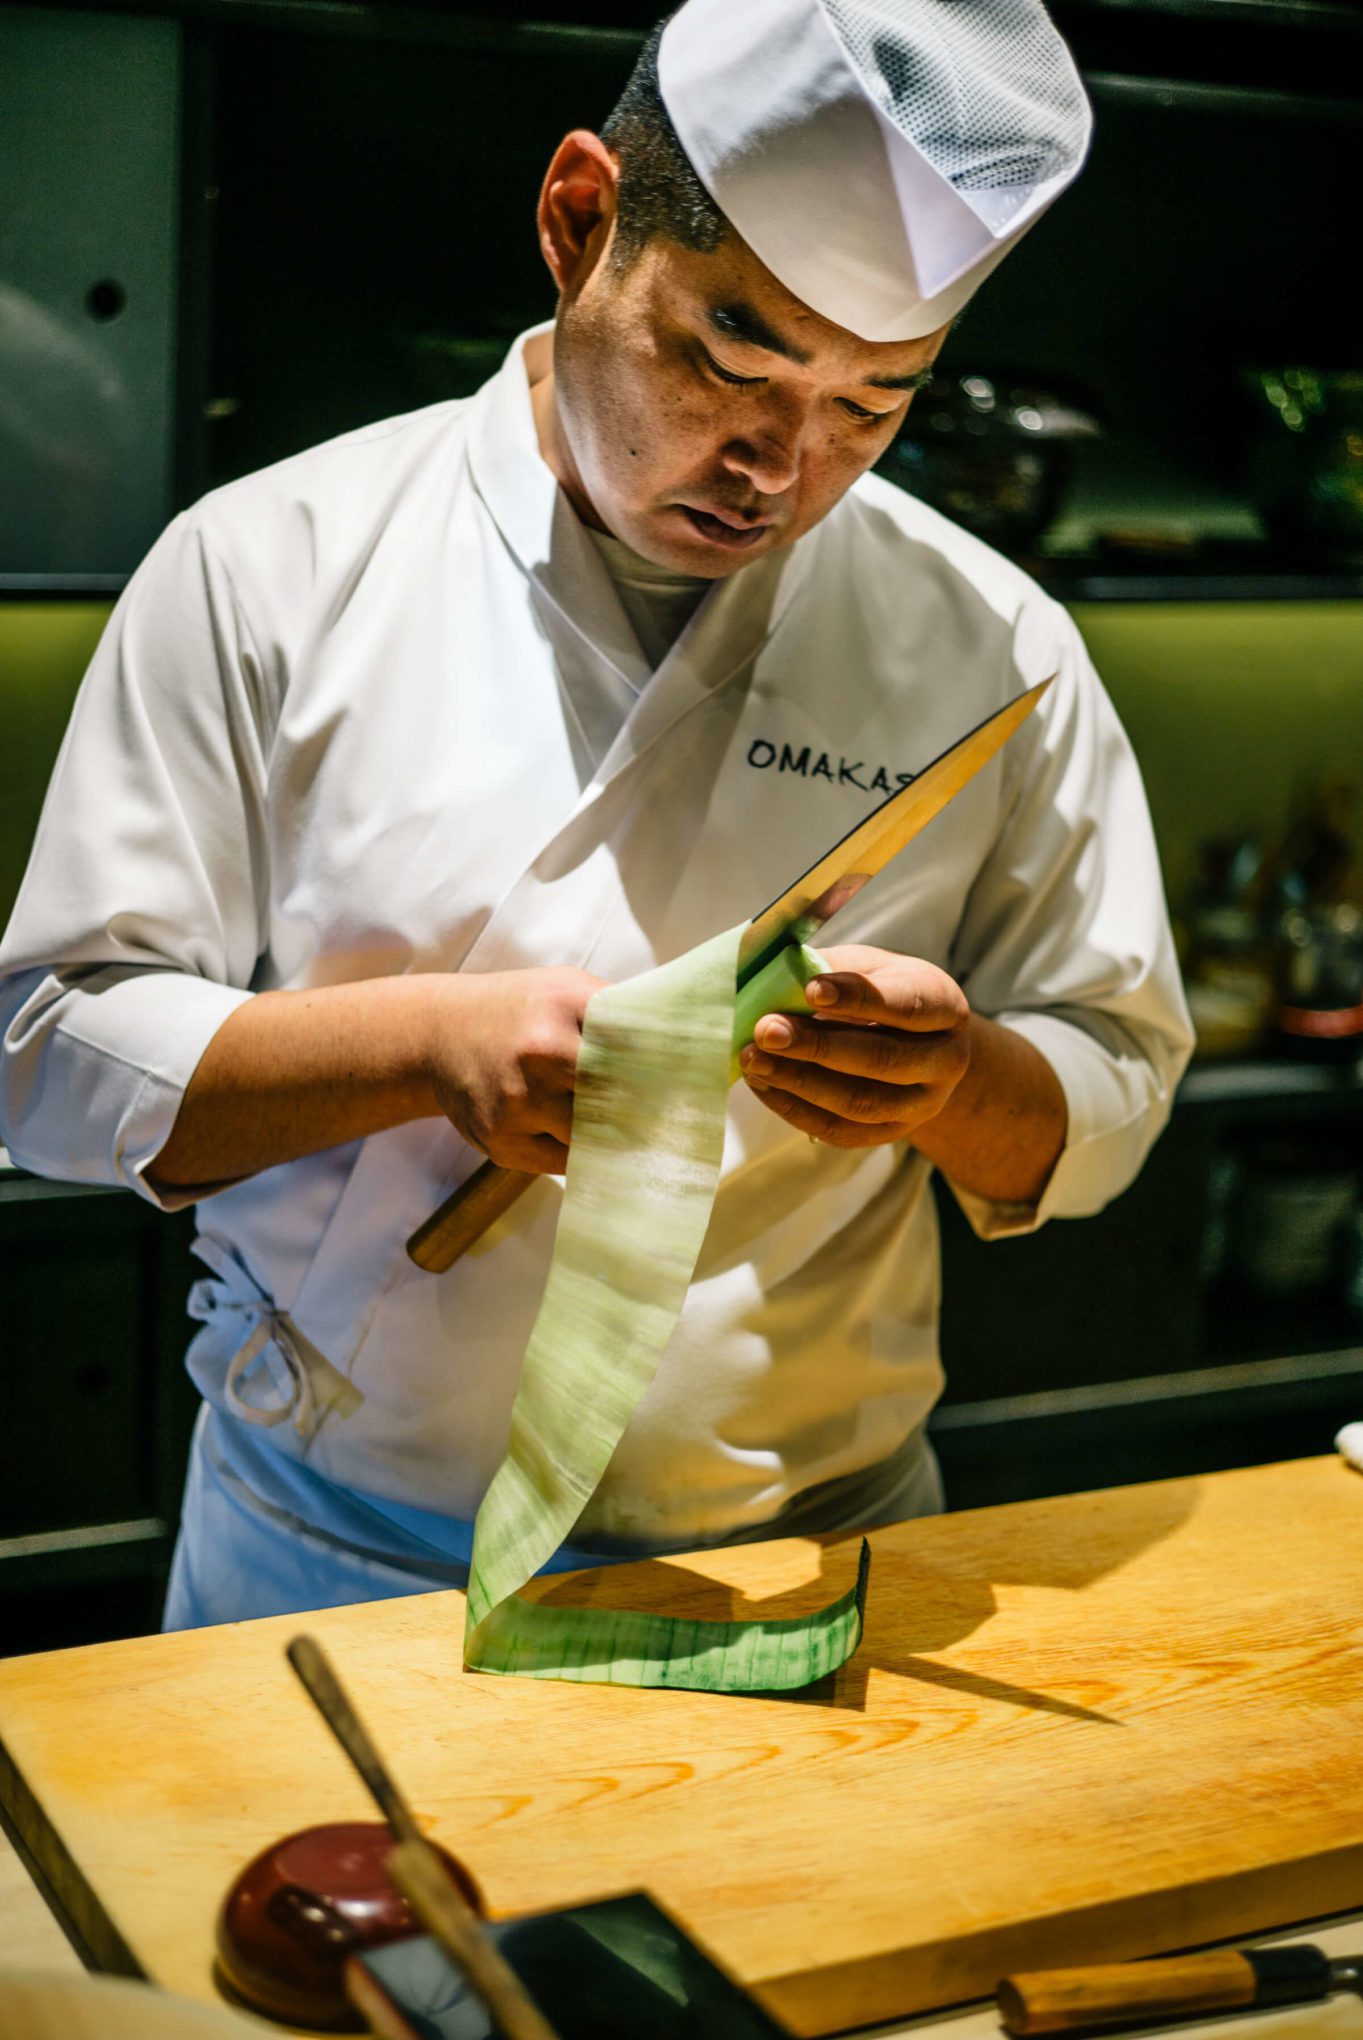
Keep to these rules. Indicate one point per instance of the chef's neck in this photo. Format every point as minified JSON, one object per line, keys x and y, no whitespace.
{"x":556,"y":452}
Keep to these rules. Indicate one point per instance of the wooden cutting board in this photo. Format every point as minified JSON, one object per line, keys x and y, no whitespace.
{"x":1092,"y":1727}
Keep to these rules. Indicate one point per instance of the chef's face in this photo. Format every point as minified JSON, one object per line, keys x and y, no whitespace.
{"x":697,"y":410}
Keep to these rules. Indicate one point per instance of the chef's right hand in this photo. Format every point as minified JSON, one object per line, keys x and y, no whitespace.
{"x":503,"y":1060}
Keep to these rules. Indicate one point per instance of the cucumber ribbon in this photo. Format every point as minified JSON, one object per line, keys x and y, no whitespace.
{"x":658,"y":1055}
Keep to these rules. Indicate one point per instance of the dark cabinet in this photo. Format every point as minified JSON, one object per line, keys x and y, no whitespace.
{"x":95,"y":1411}
{"x":89,"y":112}
{"x":1131,"y":1346}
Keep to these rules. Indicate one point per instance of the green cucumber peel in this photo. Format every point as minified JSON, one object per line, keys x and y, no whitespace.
{"x":779,"y":987}
{"x":630,"y":1647}
{"x":658,"y":1056}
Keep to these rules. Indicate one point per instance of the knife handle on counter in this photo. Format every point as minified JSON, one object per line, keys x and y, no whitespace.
{"x":1115,"y":1993}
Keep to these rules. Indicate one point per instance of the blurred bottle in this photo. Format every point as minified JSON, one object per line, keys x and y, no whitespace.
{"x":1319,"y":862}
{"x":1228,"y":954}
{"x":1315,"y":892}
{"x":1320,"y":1009}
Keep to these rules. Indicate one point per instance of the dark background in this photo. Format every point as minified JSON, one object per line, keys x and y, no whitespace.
{"x":354,"y":237}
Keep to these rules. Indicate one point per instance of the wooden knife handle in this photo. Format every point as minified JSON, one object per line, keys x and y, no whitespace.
{"x":466,"y":1215}
{"x":1109,"y":1994}
{"x":468,"y":1212}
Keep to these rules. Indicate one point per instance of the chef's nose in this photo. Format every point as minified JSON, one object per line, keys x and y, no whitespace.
{"x":768,"y":455}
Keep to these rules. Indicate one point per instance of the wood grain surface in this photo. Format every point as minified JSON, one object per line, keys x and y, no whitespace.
{"x":38,"y":2007}
{"x":1077,"y":1730}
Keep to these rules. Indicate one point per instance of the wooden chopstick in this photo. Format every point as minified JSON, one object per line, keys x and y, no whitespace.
{"x":415,"y":1866}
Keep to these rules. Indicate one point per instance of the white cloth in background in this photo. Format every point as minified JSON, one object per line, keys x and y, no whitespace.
{"x":379,"y":709}
{"x":1349,"y":1445}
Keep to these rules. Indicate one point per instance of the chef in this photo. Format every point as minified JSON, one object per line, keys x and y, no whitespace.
{"x":392,"y":753}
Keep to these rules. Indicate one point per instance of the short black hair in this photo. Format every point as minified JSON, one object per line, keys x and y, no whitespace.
{"x":659,"y":193}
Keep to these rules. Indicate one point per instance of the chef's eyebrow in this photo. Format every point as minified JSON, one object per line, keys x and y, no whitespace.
{"x":738,"y":320}
{"x":920,"y":378}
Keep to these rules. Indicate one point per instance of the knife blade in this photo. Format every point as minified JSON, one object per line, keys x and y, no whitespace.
{"x":796,"y":914}
{"x":839,"y":875}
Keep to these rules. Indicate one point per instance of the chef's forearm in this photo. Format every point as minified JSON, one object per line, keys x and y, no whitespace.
{"x":1002,"y":1130}
{"x":291,"y":1073}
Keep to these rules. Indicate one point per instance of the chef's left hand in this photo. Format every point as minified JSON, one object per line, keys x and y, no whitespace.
{"x":880,"y":1059}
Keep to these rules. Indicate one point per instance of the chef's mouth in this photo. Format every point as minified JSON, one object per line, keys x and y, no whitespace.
{"x":733,"y":537}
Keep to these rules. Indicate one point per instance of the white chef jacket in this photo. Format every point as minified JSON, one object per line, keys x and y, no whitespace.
{"x":378,"y":709}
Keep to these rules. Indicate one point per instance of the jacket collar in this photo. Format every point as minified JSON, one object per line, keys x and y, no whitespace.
{"x":555,"y":550}
{"x":535,"y":518}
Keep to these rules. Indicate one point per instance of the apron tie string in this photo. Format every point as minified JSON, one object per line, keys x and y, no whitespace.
{"x":314,"y":1386}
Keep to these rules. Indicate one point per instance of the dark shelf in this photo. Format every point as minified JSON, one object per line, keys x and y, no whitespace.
{"x":1301,"y":17}
{"x":1260,"y":37}
{"x":1215,"y":95}
{"x":1183,"y":567}
{"x":1069,"y":584}
{"x":499,"y":25}
{"x":1211,"y":54}
{"x":1250,"y":1091}
{"x":1242,"y":1324}
{"x":61,"y":587}
{"x":1233,"y":1416}
{"x":48,"y":1560}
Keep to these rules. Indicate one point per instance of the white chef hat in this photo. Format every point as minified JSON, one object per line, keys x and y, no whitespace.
{"x":880,"y":156}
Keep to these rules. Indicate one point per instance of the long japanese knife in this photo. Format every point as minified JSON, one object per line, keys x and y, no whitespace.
{"x":1174,"y":1987}
{"x":801,"y":910}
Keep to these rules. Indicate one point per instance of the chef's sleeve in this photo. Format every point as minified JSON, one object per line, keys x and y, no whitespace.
{"x":1065,"y":938}
{"x":140,"y":919}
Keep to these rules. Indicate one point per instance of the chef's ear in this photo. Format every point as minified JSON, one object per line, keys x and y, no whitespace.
{"x":577,"y":206}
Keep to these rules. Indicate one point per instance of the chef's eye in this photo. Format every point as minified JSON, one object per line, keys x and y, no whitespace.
{"x":727,"y":375}
{"x":860,"y":412}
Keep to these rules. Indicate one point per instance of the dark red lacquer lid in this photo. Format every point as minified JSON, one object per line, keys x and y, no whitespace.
{"x":300,"y":1908}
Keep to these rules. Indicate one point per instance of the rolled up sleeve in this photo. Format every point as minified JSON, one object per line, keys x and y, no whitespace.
{"x":142,"y":912}
{"x":1066,"y":937}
